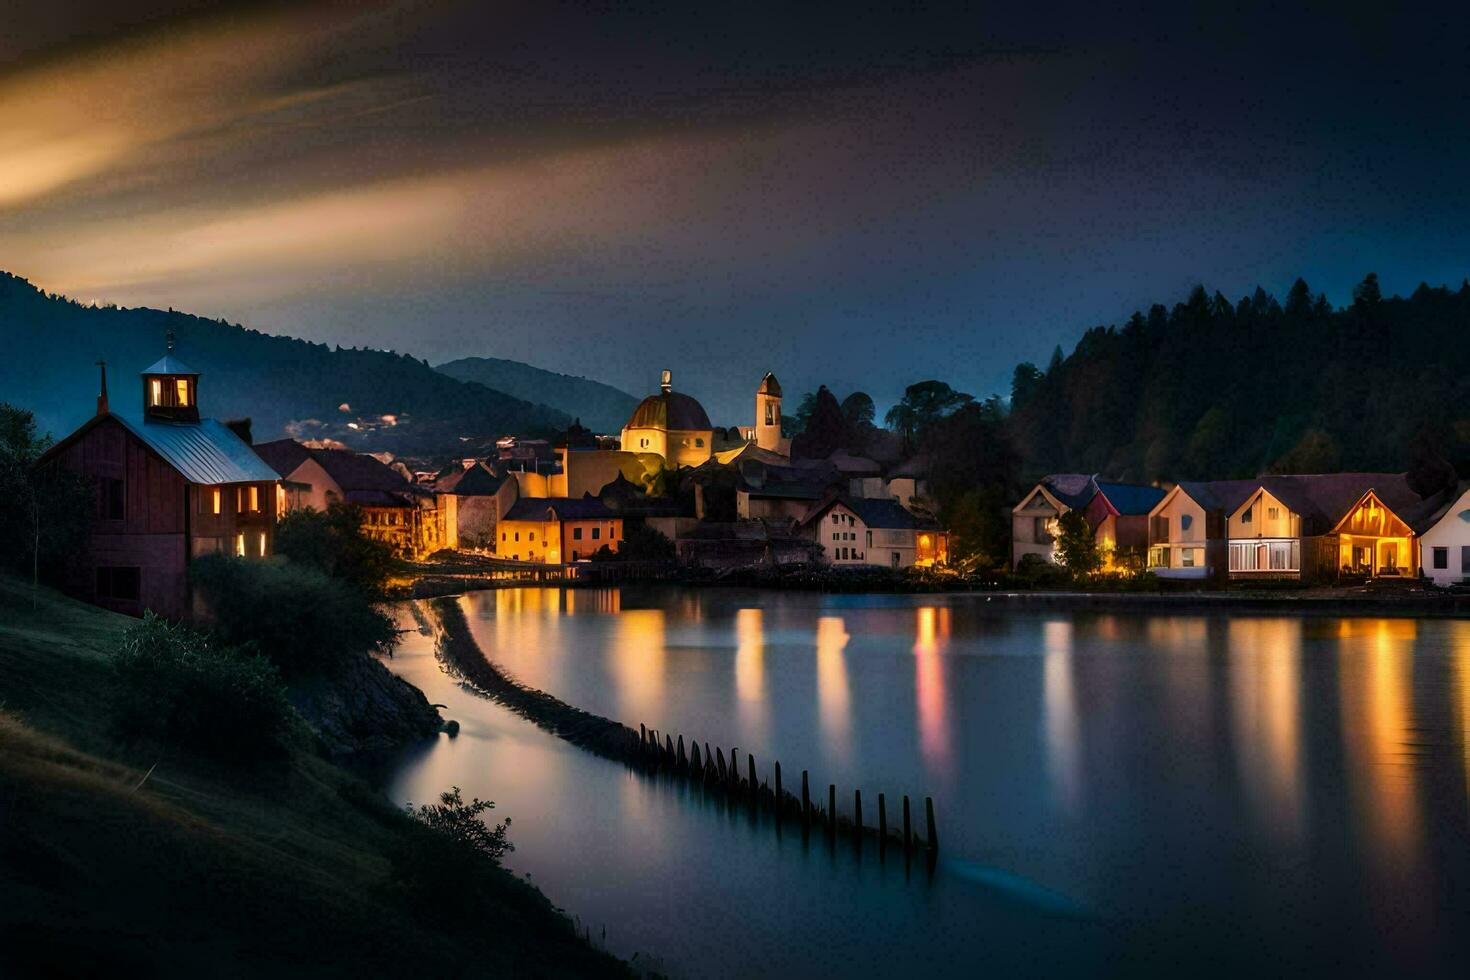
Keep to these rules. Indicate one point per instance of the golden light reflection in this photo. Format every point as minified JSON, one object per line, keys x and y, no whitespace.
{"x":932,"y":636}
{"x":1377,"y":717}
{"x":750,"y":670}
{"x":1460,"y":650}
{"x":833,"y":698}
{"x":638,"y":662}
{"x":1265,"y":678}
{"x":1063,"y":749}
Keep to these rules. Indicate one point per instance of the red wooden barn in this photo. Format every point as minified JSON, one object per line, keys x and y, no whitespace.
{"x":169,"y":486}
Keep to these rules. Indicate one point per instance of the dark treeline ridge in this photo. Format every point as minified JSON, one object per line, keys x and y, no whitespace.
{"x":285,"y":385}
{"x":1212,"y":389}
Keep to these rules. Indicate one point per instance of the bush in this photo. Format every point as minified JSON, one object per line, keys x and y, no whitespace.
{"x":460,"y":821}
{"x":333,"y":544}
{"x":302,"y":620}
{"x":180,"y":686}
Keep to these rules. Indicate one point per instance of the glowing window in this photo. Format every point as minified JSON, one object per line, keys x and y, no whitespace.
{"x":181,"y":392}
{"x":215,"y":503}
{"x":155,"y":392}
{"x":255,"y":502}
{"x":240,"y":545}
{"x":262,"y":544}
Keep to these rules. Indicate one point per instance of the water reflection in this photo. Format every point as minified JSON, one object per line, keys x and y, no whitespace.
{"x":1265,"y":699}
{"x":1460,"y":647}
{"x":833,"y":700}
{"x":932,"y":629}
{"x":1059,"y":703}
{"x":637,"y":664}
{"x":750,"y":671}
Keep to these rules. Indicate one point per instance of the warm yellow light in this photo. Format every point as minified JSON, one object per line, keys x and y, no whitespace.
{"x":255,"y":501}
{"x":155,"y":392}
{"x":216,"y":493}
{"x":181,"y":392}
{"x":240,"y":545}
{"x":262,"y":544}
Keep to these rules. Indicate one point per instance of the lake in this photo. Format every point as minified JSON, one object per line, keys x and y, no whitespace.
{"x":1116,"y":794}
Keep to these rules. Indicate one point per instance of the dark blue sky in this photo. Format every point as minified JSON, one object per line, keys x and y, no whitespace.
{"x":862,"y":197}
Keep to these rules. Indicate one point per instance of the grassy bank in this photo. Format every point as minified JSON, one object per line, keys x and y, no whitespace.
{"x":143,"y":859}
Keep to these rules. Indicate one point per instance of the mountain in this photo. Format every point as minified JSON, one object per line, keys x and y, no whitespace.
{"x":1212,"y":389}
{"x":601,"y":407}
{"x":369,"y":399}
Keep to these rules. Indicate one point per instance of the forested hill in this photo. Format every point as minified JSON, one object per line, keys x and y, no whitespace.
{"x":1214,"y":389}
{"x":286,"y":386}
{"x":601,"y":407}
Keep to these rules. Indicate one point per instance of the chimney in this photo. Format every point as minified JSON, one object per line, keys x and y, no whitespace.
{"x":667,"y":384}
{"x":102,"y":406}
{"x":241,"y":428}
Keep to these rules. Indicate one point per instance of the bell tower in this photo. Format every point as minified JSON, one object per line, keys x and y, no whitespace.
{"x":768,"y":414}
{"x":170,"y":389}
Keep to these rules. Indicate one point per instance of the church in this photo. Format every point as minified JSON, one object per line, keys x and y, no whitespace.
{"x":675,"y":426}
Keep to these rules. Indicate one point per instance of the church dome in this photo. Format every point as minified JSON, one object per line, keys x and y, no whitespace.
{"x":671,"y":411}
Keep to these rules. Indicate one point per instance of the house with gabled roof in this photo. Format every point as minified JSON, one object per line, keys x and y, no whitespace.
{"x":1118,"y":515}
{"x":1186,"y":529}
{"x":170,"y":486}
{"x":867,"y":531}
{"x":558,"y":530}
{"x":403,"y":515}
{"x":1034,"y":519}
{"x":1444,"y":538}
{"x":476,"y":496}
{"x":1325,"y":527}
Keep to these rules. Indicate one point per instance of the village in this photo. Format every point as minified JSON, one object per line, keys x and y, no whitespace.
{"x":672,"y":489}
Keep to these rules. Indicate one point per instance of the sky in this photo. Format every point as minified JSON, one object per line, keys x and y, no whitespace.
{"x":856,"y":196}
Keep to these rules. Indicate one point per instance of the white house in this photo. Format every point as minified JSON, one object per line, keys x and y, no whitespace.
{"x":1445,"y":541}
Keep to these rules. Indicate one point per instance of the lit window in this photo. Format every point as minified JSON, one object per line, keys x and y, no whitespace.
{"x":262,"y":544}
{"x":181,"y":393}
{"x":155,"y":392}
{"x":1186,"y":557}
{"x":217,"y":499}
{"x":240,"y":545}
{"x":255,"y":501}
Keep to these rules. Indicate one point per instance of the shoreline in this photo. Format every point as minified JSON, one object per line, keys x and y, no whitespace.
{"x":1306,"y":602}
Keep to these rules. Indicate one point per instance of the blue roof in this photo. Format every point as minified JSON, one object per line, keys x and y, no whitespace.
{"x":204,"y":452}
{"x":168,"y":364}
{"x":1131,"y":498}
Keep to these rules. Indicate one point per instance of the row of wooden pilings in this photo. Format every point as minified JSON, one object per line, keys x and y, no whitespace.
{"x":660,"y":751}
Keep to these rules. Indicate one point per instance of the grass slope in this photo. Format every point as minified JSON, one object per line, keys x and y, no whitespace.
{"x":202,"y":869}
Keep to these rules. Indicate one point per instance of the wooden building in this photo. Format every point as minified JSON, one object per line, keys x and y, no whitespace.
{"x":170,"y":485}
{"x":1118,"y":515}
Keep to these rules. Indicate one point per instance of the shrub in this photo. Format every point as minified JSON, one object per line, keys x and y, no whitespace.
{"x":333,"y":544}
{"x":177,"y":685}
{"x":302,"y":620}
{"x":460,"y":821}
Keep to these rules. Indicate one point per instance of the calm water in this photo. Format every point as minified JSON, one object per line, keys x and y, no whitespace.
{"x":1117,"y":794}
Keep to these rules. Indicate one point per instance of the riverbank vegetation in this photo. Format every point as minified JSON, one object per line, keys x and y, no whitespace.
{"x":149,"y":854}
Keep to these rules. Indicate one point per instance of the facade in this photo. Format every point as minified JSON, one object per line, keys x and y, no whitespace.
{"x":1374,"y":542}
{"x":1444,"y":540}
{"x":1118,"y":515}
{"x":557,"y":530}
{"x":1186,"y":529}
{"x":672,"y":425}
{"x":403,"y":515}
{"x":857,"y":531}
{"x":1034,"y":519}
{"x":476,"y":496}
{"x":767,"y":492}
{"x":170,"y":486}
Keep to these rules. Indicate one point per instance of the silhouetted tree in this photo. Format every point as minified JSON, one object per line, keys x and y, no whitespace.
{"x":923,"y":404}
{"x":825,"y":431}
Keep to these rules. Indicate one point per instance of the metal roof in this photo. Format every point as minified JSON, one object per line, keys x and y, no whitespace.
{"x":203,"y":452}
{"x":168,"y":364}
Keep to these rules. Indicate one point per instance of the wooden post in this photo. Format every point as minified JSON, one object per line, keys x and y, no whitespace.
{"x":882,"y":823}
{"x":857,"y":812}
{"x":831,"y":809}
{"x":908,"y":831}
{"x":929,"y":813}
{"x":806,"y":804}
